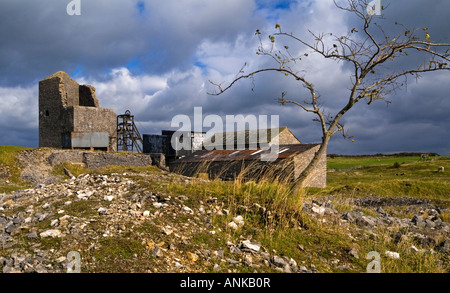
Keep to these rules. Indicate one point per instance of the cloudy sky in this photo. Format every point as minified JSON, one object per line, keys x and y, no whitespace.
{"x":155,"y":58}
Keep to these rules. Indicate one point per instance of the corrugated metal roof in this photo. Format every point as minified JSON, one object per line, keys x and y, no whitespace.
{"x":285,"y":151}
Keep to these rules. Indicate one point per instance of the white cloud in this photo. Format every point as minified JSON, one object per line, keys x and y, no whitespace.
{"x":123,"y":91}
{"x":18,"y":108}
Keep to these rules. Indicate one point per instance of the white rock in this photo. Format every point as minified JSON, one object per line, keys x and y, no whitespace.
{"x":239,"y":220}
{"x":64,"y":218}
{"x":146,"y":213}
{"x":318,"y":210}
{"x":252,"y":246}
{"x":233,"y":225}
{"x":109,"y":197}
{"x":391,"y":254}
{"x":81,"y":196}
{"x":51,"y":233}
{"x":413,"y":248}
{"x":157,"y":205}
{"x":188,"y":210}
{"x":167,"y":230}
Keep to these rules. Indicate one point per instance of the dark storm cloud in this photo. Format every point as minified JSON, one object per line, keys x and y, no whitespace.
{"x":39,"y":38}
{"x":155,"y":58}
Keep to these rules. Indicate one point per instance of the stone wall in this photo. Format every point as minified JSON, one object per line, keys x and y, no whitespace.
{"x":88,"y":97}
{"x":56,"y":158}
{"x":159,"y":160}
{"x":91,"y":119}
{"x":318,"y":177}
{"x":286,"y":137}
{"x":53,"y":92}
{"x":94,"y":160}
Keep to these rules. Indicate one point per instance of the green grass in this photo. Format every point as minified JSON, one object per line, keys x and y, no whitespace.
{"x":84,"y":208}
{"x":349,"y":162}
{"x":75,"y":169}
{"x":122,"y":247}
{"x":8,"y":158}
{"x":416,"y":179}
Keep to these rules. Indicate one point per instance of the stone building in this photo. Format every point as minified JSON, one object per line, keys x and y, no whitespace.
{"x":70,"y":116}
{"x":251,"y":139}
{"x":247,"y":164}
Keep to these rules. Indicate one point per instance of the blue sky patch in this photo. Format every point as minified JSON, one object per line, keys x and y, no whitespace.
{"x":280,"y":4}
{"x":141,"y":7}
{"x":78,"y":71}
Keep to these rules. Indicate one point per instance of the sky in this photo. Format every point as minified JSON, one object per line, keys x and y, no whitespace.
{"x":156,"y":58}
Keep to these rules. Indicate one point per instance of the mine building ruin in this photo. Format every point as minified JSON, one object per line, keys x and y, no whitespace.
{"x":70,"y":116}
{"x":225,"y":156}
{"x":247,"y":165}
{"x":159,"y":146}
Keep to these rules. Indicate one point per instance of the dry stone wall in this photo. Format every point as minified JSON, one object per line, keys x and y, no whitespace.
{"x":37,"y":164}
{"x":94,"y":160}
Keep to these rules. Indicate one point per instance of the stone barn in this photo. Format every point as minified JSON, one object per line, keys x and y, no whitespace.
{"x":251,"y":139}
{"x":247,"y":164}
{"x":70,"y":116}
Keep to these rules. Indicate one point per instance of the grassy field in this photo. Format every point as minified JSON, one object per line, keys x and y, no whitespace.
{"x":349,"y":162}
{"x":389,"y":177}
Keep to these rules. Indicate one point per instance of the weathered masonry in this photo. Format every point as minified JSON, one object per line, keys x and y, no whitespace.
{"x":251,"y":139}
{"x":70,"y":116}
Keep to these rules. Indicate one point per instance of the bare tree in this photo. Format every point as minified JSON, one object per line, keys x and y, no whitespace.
{"x":366,"y":49}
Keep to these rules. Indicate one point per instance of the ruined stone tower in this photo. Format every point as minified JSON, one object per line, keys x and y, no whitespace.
{"x":70,"y":116}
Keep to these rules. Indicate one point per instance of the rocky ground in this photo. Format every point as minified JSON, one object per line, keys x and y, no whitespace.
{"x":39,"y":226}
{"x":125,"y":222}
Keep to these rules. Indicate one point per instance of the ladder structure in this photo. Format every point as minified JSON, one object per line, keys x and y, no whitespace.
{"x":128,"y":137}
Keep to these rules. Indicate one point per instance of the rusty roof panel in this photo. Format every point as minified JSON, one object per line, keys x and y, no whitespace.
{"x":285,"y":151}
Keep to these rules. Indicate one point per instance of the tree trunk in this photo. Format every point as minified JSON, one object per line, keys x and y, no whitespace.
{"x":299,"y":182}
